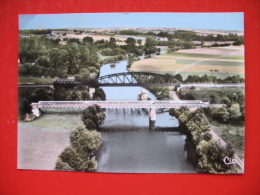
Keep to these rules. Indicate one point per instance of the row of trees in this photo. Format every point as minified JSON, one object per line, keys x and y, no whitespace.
{"x":234,"y":101}
{"x":205,"y":153}
{"x":208,"y":79}
{"x":27,"y":96}
{"x":79,"y":156}
{"x":226,"y":115}
{"x":162,"y":93}
{"x":84,"y":142}
{"x":190,"y":36}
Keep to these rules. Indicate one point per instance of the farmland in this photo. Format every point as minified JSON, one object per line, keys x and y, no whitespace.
{"x":223,"y":61}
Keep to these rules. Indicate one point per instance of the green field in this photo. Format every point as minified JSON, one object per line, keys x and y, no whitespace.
{"x":234,"y":58}
{"x":55,"y":121}
{"x":233,"y":134}
{"x":221,"y":63}
{"x":190,"y":55}
{"x":204,"y":93}
{"x":185,"y":61}
{"x":35,"y":80}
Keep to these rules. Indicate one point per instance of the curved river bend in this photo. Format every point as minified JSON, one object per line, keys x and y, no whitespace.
{"x":128,"y":144}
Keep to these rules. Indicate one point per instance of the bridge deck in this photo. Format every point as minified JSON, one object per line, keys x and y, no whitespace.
{"x":125,"y":104}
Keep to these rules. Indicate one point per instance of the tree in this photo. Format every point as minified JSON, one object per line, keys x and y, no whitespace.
{"x":220,"y":114}
{"x":89,"y":124}
{"x":94,"y":113}
{"x":178,"y":77}
{"x":211,"y":158}
{"x":226,"y":101}
{"x":24,"y":107}
{"x":59,"y":62}
{"x":79,"y":156}
{"x":36,"y":70}
{"x":131,"y":44}
{"x":99,"y":94}
{"x":42,"y":61}
{"x":150,"y":42}
{"x":112,"y":42}
{"x":234,"y":113}
{"x":212,"y":99}
{"x":39,"y":95}
{"x":73,"y":58}
{"x":73,"y":95}
{"x":85,"y":95}
{"x":85,"y":142}
{"x":139,"y":41}
{"x":88,"y":39}
{"x":60,"y":94}
{"x":73,"y":40}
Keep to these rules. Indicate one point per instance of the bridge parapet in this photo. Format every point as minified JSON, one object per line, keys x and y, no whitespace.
{"x":127,"y":104}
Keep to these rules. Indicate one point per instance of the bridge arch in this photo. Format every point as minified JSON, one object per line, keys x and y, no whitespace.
{"x":137,"y":79}
{"x":123,"y":79}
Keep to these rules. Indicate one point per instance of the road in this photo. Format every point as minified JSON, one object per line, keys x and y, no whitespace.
{"x":215,"y":85}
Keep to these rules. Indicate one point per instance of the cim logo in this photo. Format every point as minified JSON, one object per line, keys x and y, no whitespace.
{"x":229,"y":161}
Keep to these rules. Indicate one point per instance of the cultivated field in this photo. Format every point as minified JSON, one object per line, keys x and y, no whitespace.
{"x":221,"y":60}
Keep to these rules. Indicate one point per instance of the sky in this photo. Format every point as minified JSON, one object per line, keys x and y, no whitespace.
{"x":218,"y":21}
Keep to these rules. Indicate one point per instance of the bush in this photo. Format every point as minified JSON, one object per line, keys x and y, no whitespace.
{"x":89,"y":124}
{"x":79,"y":155}
{"x":209,"y":155}
{"x":94,"y":113}
{"x":99,"y":94}
{"x":211,"y":158}
{"x":85,"y":142}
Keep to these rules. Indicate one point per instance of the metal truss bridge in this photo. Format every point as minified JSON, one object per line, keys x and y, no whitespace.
{"x":122,"y":79}
{"x":126,"y":104}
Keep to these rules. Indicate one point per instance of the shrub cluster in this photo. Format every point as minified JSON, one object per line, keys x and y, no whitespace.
{"x":207,"y":153}
{"x":79,"y":156}
{"x":93,"y":116}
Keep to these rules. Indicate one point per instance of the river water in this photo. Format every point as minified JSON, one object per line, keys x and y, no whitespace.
{"x":128,"y":144}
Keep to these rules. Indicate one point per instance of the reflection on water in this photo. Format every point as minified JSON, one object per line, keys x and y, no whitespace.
{"x":137,"y":117}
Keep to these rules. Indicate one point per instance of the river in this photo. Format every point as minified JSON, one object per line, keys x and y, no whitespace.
{"x":128,"y":144}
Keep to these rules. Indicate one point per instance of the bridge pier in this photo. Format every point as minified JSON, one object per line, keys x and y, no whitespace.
{"x":152,"y":118}
{"x":35,"y":110}
{"x":142,"y":95}
{"x":91,"y":91}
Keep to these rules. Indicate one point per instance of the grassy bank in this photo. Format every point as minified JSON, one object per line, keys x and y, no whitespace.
{"x":190,"y":55}
{"x":55,"y":121}
{"x":233,"y":134}
{"x":234,"y":58}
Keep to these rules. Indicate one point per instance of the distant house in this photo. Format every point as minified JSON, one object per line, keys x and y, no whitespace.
{"x":161,"y":38}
